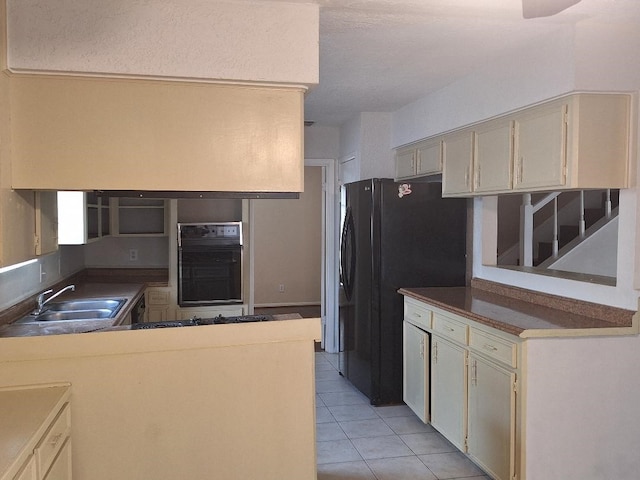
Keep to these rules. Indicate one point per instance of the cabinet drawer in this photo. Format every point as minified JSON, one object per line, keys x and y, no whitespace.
{"x":417,"y":314}
{"x":450,"y":328}
{"x":157,"y":297}
{"x":499,"y":349}
{"x":52,"y":441}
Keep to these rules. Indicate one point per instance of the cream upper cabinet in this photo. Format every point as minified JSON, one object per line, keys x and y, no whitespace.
{"x":493,"y":157}
{"x":540,"y":143}
{"x":83,"y":217}
{"x":421,"y":159}
{"x":76,"y":133}
{"x":46,"y":222}
{"x":579,"y":141}
{"x":406,"y":163}
{"x":457,"y":162}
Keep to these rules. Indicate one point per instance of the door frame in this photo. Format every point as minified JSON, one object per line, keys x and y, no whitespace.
{"x":329,"y":281}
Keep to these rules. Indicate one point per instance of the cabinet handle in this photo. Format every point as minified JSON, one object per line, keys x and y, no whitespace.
{"x":520,"y":169}
{"x":449,"y":329}
{"x":474,"y":373}
{"x":417,"y":315}
{"x":434,"y":352}
{"x":490,"y":347}
{"x":55,"y":439}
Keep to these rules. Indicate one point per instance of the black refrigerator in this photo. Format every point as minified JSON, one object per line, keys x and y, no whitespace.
{"x":394,"y":235}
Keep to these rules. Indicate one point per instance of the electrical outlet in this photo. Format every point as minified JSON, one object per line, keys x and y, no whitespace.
{"x":281,"y":288}
{"x":42,"y":273}
{"x":133,"y":254}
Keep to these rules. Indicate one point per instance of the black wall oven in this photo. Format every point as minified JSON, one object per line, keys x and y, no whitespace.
{"x":209,"y":263}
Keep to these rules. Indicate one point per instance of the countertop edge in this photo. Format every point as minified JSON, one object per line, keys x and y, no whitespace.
{"x":613,"y":330}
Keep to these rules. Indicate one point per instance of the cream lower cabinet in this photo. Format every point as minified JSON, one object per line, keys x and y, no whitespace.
{"x":448,"y":390}
{"x":61,"y":467}
{"x":474,"y":374}
{"x":40,"y":423}
{"x":157,"y":302}
{"x":415,"y":391}
{"x":210,"y":312}
{"x":491,"y":422}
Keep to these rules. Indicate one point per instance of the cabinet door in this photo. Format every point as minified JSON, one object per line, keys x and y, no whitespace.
{"x":491,"y":440}
{"x":209,"y":312}
{"x":429,"y":158}
{"x":540,"y":148}
{"x":415,"y":372}
{"x":46,"y":228}
{"x":493,"y":163}
{"x":61,"y":466}
{"x":457,"y":159}
{"x":448,"y":390}
{"x":29,"y":470}
{"x":406,"y":163}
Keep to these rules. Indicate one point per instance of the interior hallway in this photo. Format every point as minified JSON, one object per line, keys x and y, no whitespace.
{"x":359,"y":442}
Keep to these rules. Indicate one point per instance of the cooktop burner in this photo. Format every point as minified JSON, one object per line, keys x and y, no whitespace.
{"x":202,"y":321}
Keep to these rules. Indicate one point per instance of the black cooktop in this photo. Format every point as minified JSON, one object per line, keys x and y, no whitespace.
{"x":192,"y":322}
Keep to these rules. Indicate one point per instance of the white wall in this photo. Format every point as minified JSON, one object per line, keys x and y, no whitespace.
{"x":541,"y":71}
{"x":113,"y":252}
{"x":197,"y":39}
{"x":365,"y":148}
{"x":321,"y":142}
{"x":582,"y":403}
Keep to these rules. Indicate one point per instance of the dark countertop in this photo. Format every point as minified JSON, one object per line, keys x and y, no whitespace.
{"x":530,"y":316}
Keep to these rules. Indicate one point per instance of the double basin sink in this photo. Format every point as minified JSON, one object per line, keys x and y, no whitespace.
{"x":74,"y":310}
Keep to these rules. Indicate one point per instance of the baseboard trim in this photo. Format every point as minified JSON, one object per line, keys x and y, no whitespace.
{"x":288,"y":304}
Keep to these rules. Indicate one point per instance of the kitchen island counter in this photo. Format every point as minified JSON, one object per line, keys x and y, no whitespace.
{"x":232,"y":401}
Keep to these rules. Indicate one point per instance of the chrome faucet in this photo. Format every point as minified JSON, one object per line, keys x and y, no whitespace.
{"x":42,"y":302}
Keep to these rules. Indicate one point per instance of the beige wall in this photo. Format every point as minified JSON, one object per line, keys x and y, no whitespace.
{"x":288,"y":246}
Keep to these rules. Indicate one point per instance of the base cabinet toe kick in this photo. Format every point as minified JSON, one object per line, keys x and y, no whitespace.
{"x":462,"y":378}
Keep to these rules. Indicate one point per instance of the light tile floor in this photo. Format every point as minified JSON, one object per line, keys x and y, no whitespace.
{"x":357,"y":441}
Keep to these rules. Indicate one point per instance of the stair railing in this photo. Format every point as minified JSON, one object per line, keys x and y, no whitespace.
{"x":527,"y":211}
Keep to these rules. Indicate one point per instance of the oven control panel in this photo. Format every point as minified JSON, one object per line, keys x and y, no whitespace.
{"x":214,"y":233}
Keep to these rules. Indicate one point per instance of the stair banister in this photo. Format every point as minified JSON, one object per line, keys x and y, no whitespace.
{"x":555,"y":228}
{"x":582,"y":225}
{"x":526,"y":231}
{"x":527,"y":210}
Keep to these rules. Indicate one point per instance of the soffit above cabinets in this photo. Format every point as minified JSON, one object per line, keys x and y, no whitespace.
{"x":80,"y":133}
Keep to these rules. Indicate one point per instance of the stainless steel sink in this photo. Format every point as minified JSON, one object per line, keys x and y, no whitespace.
{"x":75,"y":310}
{"x":92,"y":304}
{"x":56,"y":316}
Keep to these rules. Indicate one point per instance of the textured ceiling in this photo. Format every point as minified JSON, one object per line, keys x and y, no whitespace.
{"x":379,"y":55}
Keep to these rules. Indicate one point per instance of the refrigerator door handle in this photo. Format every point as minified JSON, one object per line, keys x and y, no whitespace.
{"x":347,"y":254}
